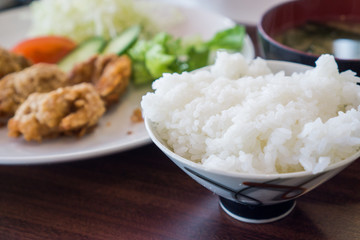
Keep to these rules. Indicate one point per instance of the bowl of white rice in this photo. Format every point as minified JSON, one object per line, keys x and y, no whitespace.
{"x":259,"y":134}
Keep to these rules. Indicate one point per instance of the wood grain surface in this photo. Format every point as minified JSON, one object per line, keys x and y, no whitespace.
{"x":141,"y":194}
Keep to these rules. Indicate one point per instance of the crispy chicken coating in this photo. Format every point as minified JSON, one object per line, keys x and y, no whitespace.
{"x":11,"y":62}
{"x":16,"y":87}
{"x":110,"y":75}
{"x":72,"y":110}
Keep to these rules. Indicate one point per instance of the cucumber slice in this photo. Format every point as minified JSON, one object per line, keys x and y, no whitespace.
{"x":83,"y":52}
{"x":122,"y":42}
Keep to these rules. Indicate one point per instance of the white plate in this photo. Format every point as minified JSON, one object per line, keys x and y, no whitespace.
{"x":115,"y":131}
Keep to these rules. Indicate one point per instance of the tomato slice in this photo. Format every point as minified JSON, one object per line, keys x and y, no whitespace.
{"x":47,"y":49}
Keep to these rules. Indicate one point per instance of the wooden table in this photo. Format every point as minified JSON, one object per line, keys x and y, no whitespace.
{"x":141,"y":194}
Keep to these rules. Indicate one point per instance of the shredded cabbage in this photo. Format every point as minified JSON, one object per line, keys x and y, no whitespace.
{"x":81,"y":19}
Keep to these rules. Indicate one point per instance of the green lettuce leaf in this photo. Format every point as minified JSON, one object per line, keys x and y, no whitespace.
{"x":230,"y":39}
{"x":167,"y":54}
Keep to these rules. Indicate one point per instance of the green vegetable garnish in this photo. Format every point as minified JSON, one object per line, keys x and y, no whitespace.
{"x":140,"y":73}
{"x":166,"y":54}
{"x":158,"y":61}
{"x":231,"y":39}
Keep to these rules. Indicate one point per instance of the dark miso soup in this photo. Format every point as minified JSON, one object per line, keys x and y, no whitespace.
{"x":319,"y":37}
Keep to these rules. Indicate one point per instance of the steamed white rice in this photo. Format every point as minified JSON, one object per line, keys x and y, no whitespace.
{"x":238,"y":116}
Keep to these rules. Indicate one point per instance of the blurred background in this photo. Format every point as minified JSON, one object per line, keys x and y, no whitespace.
{"x":5,"y":4}
{"x":244,"y":11}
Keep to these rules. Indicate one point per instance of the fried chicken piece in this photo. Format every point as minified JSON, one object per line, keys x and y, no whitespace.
{"x":11,"y":62}
{"x":72,"y":110}
{"x":110,"y":75}
{"x":16,"y":87}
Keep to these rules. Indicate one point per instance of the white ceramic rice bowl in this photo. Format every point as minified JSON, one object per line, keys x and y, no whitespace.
{"x":254,"y":189}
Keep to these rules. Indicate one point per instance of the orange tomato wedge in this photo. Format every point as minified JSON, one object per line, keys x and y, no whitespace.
{"x":46,"y":49}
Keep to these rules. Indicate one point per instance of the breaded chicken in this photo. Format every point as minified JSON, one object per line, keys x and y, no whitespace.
{"x":72,"y":110}
{"x":110,"y":75}
{"x":11,"y":62}
{"x":16,"y":87}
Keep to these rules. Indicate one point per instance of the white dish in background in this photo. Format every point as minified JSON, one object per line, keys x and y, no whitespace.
{"x":115,"y":131}
{"x":241,"y":11}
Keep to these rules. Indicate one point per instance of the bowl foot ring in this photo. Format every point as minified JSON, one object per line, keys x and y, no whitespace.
{"x":256,"y":214}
